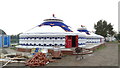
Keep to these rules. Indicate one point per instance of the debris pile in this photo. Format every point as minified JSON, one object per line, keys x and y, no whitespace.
{"x":12,"y":58}
{"x":39,"y":59}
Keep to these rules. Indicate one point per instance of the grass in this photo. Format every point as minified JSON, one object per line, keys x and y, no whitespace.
{"x":13,"y":47}
{"x":113,"y":42}
{"x":100,"y":48}
{"x":119,"y":46}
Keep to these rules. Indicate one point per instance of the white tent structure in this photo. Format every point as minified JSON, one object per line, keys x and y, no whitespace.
{"x":52,"y":32}
{"x":92,"y":39}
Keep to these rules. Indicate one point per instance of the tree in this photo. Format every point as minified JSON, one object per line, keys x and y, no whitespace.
{"x":117,"y":36}
{"x":14,"y":38}
{"x":103,"y":28}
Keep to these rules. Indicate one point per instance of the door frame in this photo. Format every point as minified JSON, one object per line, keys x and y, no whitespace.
{"x":69,"y":41}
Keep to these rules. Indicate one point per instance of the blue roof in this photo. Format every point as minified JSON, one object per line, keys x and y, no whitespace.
{"x":60,"y":24}
{"x":84,"y":30}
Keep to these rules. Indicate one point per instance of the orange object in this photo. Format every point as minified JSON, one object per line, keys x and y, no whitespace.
{"x":39,"y":59}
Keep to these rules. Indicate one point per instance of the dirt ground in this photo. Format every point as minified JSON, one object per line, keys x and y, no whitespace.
{"x":107,"y":56}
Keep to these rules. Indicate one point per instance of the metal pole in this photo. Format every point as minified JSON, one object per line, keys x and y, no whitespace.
{"x":2,"y":43}
{"x":2,"y":38}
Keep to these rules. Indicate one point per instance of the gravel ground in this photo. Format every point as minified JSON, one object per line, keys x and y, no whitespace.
{"x":107,"y":56}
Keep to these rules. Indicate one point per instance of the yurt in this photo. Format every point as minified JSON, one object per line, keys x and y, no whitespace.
{"x":92,"y":39}
{"x":52,"y":32}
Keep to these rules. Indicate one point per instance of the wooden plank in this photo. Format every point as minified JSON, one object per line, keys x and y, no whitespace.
{"x":83,"y":53}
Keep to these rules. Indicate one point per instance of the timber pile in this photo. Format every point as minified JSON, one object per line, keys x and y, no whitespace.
{"x":39,"y":59}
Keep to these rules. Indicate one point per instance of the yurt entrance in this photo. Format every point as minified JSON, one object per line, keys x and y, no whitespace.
{"x":71,"y":41}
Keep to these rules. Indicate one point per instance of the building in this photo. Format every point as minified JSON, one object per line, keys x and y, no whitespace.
{"x":53,"y":32}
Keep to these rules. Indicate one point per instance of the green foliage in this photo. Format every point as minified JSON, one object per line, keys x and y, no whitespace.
{"x":117,"y":36}
{"x":14,"y":38}
{"x":14,"y":48}
{"x":112,"y":42}
{"x":103,"y":28}
{"x":100,"y":48}
{"x":119,"y":47}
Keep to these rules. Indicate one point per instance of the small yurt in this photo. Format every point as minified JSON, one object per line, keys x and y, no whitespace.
{"x":91,"y":38}
{"x":52,"y":32}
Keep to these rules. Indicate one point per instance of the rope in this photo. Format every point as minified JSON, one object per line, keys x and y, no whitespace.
{"x":31,"y":29}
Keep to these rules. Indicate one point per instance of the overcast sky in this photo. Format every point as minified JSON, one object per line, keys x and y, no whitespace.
{"x":18,"y":16}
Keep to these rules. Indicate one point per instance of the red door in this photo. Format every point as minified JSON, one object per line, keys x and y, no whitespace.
{"x":76,"y":41}
{"x":68,"y":42}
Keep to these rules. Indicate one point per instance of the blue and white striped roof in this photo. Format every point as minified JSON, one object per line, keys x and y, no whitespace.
{"x":51,"y":25}
{"x":55,"y":22}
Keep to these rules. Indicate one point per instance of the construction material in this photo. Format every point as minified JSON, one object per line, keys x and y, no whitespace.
{"x":7,"y":63}
{"x":4,"y":60}
{"x":18,"y":59}
{"x":83,"y":53}
{"x":56,"y":53}
{"x":39,"y":59}
{"x":13,"y":60}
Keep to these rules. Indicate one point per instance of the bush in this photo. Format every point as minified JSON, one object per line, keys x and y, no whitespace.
{"x":118,"y":37}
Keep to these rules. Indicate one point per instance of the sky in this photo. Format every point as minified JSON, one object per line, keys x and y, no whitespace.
{"x":18,"y":16}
